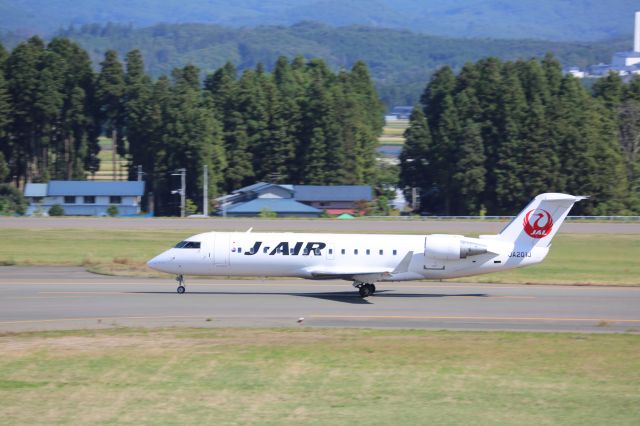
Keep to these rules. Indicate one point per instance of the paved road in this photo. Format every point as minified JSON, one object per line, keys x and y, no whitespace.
{"x":36,"y":298}
{"x":399,"y":225}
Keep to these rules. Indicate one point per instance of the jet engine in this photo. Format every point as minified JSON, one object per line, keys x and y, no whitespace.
{"x":452,"y":247}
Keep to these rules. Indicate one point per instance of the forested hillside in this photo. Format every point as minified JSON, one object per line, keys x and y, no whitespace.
{"x":300,"y":124}
{"x":400,"y":61}
{"x":498,"y":133}
{"x":522,"y":19}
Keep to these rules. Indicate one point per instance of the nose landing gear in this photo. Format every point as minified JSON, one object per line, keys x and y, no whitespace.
{"x":180,"y":280}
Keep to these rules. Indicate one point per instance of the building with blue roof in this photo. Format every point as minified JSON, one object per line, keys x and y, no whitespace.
{"x":85,"y":198}
{"x":283,"y":207}
{"x":294,"y":200}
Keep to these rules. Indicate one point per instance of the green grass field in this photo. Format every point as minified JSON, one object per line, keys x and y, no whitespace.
{"x":393,"y":133}
{"x":318,"y":377}
{"x":573,"y":259}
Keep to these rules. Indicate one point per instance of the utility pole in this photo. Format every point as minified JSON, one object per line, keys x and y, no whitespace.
{"x":114,"y":136}
{"x":205,"y":192}
{"x":183,"y":188}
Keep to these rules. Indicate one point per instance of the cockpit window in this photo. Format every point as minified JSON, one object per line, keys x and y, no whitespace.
{"x":188,"y":244}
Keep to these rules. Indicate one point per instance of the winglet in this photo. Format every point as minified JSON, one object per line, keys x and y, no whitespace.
{"x":403,"y":266}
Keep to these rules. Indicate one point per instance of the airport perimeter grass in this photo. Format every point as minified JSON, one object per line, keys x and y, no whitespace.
{"x":573,"y":259}
{"x":318,"y":377}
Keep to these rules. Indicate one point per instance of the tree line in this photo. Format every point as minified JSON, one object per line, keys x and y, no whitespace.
{"x":399,"y":61}
{"x":494,"y":135}
{"x":301,"y":123}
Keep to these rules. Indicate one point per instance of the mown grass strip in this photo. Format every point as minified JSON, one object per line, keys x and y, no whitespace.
{"x":318,"y":377}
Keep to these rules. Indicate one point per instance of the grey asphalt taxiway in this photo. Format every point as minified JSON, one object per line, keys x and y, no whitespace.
{"x":41,"y":298}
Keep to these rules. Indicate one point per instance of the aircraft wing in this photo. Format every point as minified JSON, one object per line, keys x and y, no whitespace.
{"x":364,"y":274}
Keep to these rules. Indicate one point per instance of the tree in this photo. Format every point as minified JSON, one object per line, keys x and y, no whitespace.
{"x":11,"y":200}
{"x":610,"y":89}
{"x":139,"y":123}
{"x":629,"y":127}
{"x":468,"y":177}
{"x":5,"y":117}
{"x":110,"y":92}
{"x":416,"y":171}
{"x":27,"y":118}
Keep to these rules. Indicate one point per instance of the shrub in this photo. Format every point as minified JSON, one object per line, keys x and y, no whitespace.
{"x":190,"y":207}
{"x":11,"y":200}
{"x":56,"y":210}
{"x":267,"y":213}
{"x":112,"y":210}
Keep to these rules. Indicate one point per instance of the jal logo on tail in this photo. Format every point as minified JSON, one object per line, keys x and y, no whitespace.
{"x":538,"y":223}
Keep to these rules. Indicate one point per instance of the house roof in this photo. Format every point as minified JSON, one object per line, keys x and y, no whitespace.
{"x":276,"y":205}
{"x":85,"y":187}
{"x":332,"y":193}
{"x":35,"y":190}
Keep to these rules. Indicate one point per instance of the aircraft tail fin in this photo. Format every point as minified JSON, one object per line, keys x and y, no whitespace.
{"x":540,"y":220}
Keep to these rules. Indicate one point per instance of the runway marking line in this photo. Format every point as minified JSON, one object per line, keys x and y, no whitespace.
{"x":470,"y":318}
{"x":106,"y":318}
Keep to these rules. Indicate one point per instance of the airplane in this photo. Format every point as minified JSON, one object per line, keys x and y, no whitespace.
{"x":367,"y":259}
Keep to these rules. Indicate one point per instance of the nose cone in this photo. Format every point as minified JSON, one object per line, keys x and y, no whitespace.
{"x":160,"y":263}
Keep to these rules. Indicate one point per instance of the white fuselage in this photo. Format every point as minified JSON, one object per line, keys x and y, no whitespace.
{"x":323,"y":256}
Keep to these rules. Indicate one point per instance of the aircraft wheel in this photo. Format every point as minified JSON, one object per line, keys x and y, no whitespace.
{"x":373,"y":288}
{"x":365,"y":290}
{"x":181,"y":289}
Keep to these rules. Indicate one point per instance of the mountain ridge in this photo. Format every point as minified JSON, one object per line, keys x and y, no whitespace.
{"x":584,"y":20}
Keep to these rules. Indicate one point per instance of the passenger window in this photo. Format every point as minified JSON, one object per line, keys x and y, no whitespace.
{"x":343,"y":251}
{"x":381,"y":252}
{"x":305,"y":252}
{"x":355,"y":251}
{"x":239,"y":250}
{"x":265,"y":250}
{"x":330,"y":251}
{"x":368,"y":252}
{"x":395,"y":252}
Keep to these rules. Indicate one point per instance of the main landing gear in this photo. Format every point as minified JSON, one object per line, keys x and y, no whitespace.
{"x":365,"y":289}
{"x":180,"y":280}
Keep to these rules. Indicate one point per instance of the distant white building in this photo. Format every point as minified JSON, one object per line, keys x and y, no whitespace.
{"x":624,"y":63}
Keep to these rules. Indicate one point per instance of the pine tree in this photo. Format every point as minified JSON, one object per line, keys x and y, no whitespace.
{"x":24,"y":85}
{"x":110,"y":93}
{"x":468,"y":179}
{"x":629,"y":126}
{"x":509,"y":165}
{"x":610,"y":89}
{"x":138,"y":108}
{"x":441,"y":85}
{"x":72,"y":133}
{"x":5,"y":117}
{"x":416,"y":169}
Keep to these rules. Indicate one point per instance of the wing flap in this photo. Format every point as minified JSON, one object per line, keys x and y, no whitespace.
{"x":361,"y":273}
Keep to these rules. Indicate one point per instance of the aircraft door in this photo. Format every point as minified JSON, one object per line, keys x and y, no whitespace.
{"x":331,"y":252}
{"x":221,"y":250}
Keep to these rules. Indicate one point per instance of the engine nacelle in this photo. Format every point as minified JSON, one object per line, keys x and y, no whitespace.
{"x":451,"y":247}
